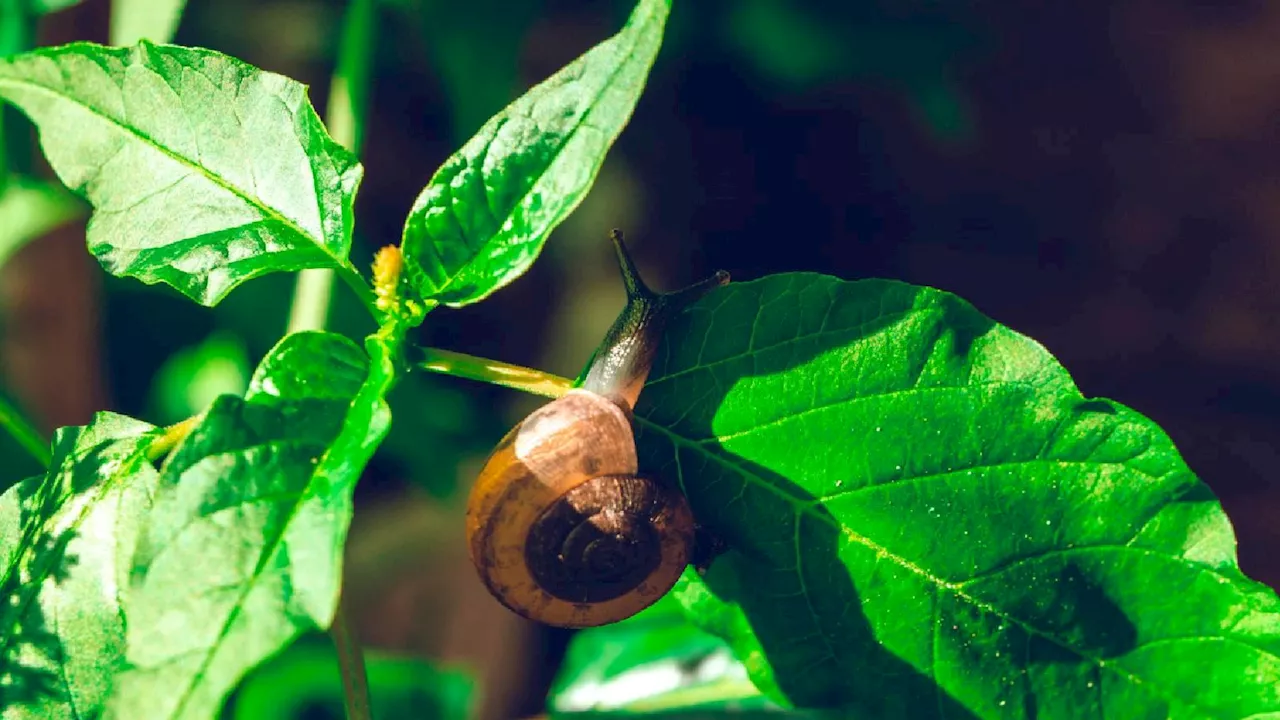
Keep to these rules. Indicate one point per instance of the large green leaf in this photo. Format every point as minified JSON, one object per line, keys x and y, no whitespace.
{"x":927,"y":518}
{"x":243,"y":549}
{"x":484,"y":216}
{"x":65,"y":541}
{"x":203,"y":171}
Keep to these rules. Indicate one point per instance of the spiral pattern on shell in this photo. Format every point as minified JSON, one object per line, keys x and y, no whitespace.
{"x":602,"y":539}
{"x":563,"y":530}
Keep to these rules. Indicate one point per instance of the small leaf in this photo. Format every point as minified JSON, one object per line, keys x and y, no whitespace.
{"x":29,"y":209}
{"x":928,"y":520}
{"x":483,"y":218}
{"x":154,"y":20}
{"x":203,"y":171}
{"x":258,"y":498}
{"x":65,"y":543}
{"x":651,"y":662}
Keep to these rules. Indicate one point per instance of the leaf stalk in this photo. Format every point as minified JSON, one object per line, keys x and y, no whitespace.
{"x":173,"y":435}
{"x":494,"y":372}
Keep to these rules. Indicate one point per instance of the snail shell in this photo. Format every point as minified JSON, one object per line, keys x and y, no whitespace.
{"x":581,"y":538}
{"x":561,"y":526}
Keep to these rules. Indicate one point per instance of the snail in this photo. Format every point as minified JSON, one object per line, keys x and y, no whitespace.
{"x":561,"y":526}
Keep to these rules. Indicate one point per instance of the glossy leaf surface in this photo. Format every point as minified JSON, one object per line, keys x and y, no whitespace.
{"x":485,"y":215}
{"x":929,"y":520}
{"x":654,"y":661}
{"x":243,"y":550}
{"x":65,"y":543}
{"x":203,"y":171}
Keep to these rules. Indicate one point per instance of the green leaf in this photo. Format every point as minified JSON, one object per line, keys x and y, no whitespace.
{"x":29,"y":209}
{"x":154,"y":20}
{"x":927,"y":519}
{"x":203,"y":171}
{"x":484,"y":216}
{"x":654,"y":661}
{"x":65,"y":541}
{"x":243,"y":550}
{"x":304,"y":681}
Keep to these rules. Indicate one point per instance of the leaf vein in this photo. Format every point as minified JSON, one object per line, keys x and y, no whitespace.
{"x":781,"y":343}
{"x":212,"y":176}
{"x":883,"y":552}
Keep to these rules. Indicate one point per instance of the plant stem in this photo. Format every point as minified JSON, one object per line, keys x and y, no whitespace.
{"x":516,"y":377}
{"x":25,"y":433}
{"x":349,"y":87}
{"x":355,"y":685}
{"x":310,"y":308}
{"x":344,"y":119}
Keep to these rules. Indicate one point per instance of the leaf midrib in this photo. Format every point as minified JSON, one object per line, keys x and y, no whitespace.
{"x":304,"y":496}
{"x":197,"y":168}
{"x":269,"y":548}
{"x":881,"y":551}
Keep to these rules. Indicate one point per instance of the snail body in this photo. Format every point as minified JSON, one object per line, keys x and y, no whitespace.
{"x":562,"y":526}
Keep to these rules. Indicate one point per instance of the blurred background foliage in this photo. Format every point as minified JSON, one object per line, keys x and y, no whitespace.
{"x":1104,"y":177}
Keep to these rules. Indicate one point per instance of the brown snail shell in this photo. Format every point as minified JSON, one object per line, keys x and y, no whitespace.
{"x":561,"y":526}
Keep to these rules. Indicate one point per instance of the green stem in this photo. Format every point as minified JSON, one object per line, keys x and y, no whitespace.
{"x":344,"y":119}
{"x":349,"y":87}
{"x":516,"y":377}
{"x":355,"y":685}
{"x":310,"y":307}
{"x":25,"y":433}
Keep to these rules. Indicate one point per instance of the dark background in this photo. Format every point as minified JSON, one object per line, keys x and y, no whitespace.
{"x":1103,"y":177}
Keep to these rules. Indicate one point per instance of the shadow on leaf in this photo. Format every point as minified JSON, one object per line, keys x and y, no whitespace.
{"x":44,"y":574}
{"x":843,"y":620}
